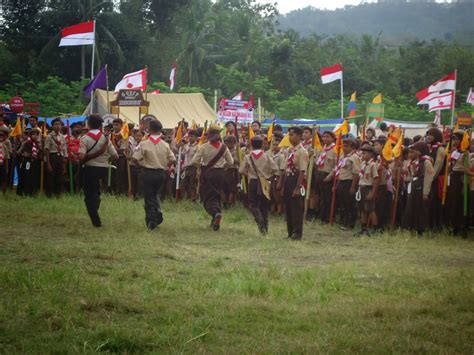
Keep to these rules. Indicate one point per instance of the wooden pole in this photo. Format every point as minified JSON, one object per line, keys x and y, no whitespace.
{"x":309,"y":175}
{"x":335,"y":179}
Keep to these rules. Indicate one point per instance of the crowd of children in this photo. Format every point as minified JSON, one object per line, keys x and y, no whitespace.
{"x":428,"y":186}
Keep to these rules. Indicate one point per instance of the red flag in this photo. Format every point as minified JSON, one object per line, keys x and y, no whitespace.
{"x":330,"y":74}
{"x":446,"y":83}
{"x":78,"y":35}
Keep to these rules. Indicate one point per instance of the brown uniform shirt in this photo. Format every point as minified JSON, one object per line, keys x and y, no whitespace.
{"x":329,"y":162}
{"x":154,"y":156}
{"x":350,"y":165}
{"x":207,"y":152}
{"x":88,"y":146}
{"x":459,"y":164}
{"x":264,"y":163}
{"x":440,"y":159}
{"x":296,"y":160}
{"x":56,"y":143}
{"x":428,"y":177}
{"x":188,"y":152}
{"x":119,"y":143}
{"x":368,"y":173}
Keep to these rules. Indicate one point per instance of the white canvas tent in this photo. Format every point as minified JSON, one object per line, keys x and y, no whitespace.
{"x":168,"y":108}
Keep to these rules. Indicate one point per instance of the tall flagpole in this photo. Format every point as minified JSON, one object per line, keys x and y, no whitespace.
{"x":454,"y":97}
{"x":342,"y":96}
{"x":93,"y":55}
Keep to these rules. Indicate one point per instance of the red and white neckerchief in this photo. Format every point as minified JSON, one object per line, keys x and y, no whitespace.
{"x":341,"y":163}
{"x":433,"y":147}
{"x":116,"y":138}
{"x":257,"y":153}
{"x":34,"y":148}
{"x":324,"y":153}
{"x":363,"y":173}
{"x":94,"y":136}
{"x":216,"y":144}
{"x":57,"y":142}
{"x":290,"y":161}
{"x":307,"y":143}
{"x":418,"y":164}
{"x":2,"y":156}
{"x":155,"y":139}
{"x":454,"y":157}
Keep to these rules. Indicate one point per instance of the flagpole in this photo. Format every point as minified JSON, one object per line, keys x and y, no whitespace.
{"x":454,"y":97}
{"x":93,"y":55}
{"x":215,"y":100}
{"x":342,"y":96}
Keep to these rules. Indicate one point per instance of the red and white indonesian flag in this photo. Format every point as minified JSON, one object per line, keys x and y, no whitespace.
{"x":78,"y":35}
{"x":239,"y":96}
{"x":172,"y":78}
{"x":446,"y":83}
{"x":135,"y":80}
{"x":330,"y":74}
{"x":441,"y":102}
{"x":470,"y":97}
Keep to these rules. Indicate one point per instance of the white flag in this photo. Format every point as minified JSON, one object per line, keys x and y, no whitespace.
{"x":437,"y":119}
{"x":172,"y":78}
{"x":470,"y":97}
{"x":135,"y":80}
{"x":238,"y":97}
{"x":441,"y":102}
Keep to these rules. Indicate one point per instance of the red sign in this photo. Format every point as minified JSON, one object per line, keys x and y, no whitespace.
{"x":16,"y":104}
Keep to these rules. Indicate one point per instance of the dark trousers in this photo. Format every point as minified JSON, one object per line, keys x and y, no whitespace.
{"x":3,"y":175}
{"x":55,"y":178}
{"x":455,"y":201}
{"x":346,"y":203}
{"x":153,"y":180}
{"x":383,"y":203}
{"x":190,"y":182}
{"x":324,"y":190}
{"x":294,"y":208}
{"x":416,"y":214}
{"x":258,"y":203}
{"x":28,"y":177}
{"x":120,"y":176}
{"x":137,"y":181}
{"x":211,"y":189}
{"x":92,"y":176}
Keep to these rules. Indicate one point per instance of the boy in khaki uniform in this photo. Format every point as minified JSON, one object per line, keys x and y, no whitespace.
{"x":4,"y":160}
{"x":347,"y":173}
{"x":55,"y":149}
{"x":326,"y":163}
{"x":95,"y":150}
{"x":212,"y":158}
{"x":368,"y":184}
{"x":231,"y":174}
{"x":154,"y":155}
{"x":296,"y":164}
{"x":190,"y":180}
{"x":119,"y":175}
{"x":265,"y":168}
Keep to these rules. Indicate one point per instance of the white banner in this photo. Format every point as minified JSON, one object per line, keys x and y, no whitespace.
{"x":243,"y":116}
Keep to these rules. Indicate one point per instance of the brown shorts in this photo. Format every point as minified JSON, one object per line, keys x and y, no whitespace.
{"x":364,"y":205}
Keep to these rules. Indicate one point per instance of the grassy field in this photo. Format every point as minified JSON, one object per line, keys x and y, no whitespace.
{"x":67,"y":287}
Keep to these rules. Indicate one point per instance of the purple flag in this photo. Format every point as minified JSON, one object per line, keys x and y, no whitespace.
{"x":99,"y":82}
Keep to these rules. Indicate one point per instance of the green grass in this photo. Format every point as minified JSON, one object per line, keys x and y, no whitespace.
{"x":67,"y":287}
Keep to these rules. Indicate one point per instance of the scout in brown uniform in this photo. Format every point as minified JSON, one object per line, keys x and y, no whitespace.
{"x":190,"y":180}
{"x":347,"y":173}
{"x":119,"y":175}
{"x":4,"y":159}
{"x":279,"y":158}
{"x":255,"y":166}
{"x":29,"y":171}
{"x":455,"y":193}
{"x":296,"y":165}
{"x":383,"y":199}
{"x":154,"y":155}
{"x":368,"y":183}
{"x":55,"y":149}
{"x":212,"y":157}
{"x":95,"y":150}
{"x":326,"y":163}
{"x":434,"y":138}
{"x":416,"y":216}
{"x":136,"y":170}
{"x":231,"y":174}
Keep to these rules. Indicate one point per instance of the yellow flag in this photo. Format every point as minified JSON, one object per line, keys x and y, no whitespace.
{"x":343,"y":128}
{"x":251,"y":132}
{"x":45,"y":129}
{"x":179,"y":133}
{"x":270,"y":132}
{"x":317,"y":143}
{"x":194,"y":125}
{"x":17,"y":130}
{"x":285,"y":142}
{"x":377,"y":99}
{"x":397,"y":150}
{"x":124,"y":132}
{"x":465,"y":141}
{"x":387,"y":151}
{"x":203,"y":136}
{"x":456,"y":127}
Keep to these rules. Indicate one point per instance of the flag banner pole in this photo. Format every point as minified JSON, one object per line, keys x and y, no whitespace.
{"x":342,"y":96}
{"x":466,"y":177}
{"x":335,"y":180}
{"x":178,"y":173}
{"x":93,"y":55}
{"x":454,"y":97}
{"x":215,"y":100}
{"x":71,"y":176}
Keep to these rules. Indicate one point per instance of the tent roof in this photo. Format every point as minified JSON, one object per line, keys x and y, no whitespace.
{"x":168,"y":108}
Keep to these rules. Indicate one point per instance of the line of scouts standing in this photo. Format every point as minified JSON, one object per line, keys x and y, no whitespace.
{"x":219,"y":169}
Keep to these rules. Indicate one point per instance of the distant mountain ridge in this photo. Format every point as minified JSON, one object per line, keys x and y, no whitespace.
{"x":398,"y":21}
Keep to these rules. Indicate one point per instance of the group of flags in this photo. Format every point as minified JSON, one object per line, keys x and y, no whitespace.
{"x":439,"y":95}
{"x":84,"y":34}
